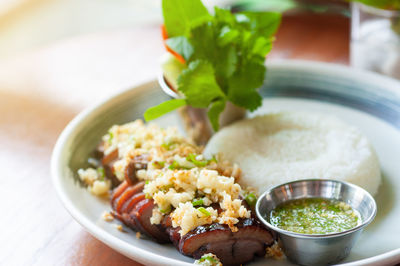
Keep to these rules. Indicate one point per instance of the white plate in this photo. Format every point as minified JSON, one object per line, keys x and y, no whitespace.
{"x":368,"y":101}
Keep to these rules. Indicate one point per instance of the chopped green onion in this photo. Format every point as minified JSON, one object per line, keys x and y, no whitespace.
{"x":110,"y":137}
{"x":174,"y":165}
{"x":167,"y":210}
{"x":209,"y":258}
{"x":204,"y":211}
{"x":198,"y":202}
{"x":192,"y":158}
{"x":146,"y":182}
{"x":213,"y":159}
{"x":148,"y":196}
{"x":167,"y":146}
{"x":166,"y":187}
{"x":102,"y":173}
{"x":251,"y":199}
{"x":159,"y":164}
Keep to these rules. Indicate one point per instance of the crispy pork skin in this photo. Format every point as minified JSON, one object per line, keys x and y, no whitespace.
{"x":232,"y":248}
{"x":134,"y":210}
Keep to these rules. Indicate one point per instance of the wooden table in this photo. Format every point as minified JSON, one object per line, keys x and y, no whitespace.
{"x":41,"y":92}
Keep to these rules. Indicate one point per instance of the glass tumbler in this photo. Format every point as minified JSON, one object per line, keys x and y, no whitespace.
{"x":375,"y":39}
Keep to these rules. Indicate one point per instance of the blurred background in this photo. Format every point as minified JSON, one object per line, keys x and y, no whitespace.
{"x":58,"y":57}
{"x":26,"y":25}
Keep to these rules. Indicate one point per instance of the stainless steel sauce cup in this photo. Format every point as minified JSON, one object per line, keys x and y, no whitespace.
{"x":310,"y":249}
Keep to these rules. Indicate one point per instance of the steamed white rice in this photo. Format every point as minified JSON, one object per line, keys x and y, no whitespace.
{"x":282,"y":147}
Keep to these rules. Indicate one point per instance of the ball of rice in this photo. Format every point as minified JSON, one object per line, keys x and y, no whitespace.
{"x":277,"y":148}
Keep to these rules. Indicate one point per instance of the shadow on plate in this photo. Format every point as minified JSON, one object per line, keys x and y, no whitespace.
{"x":385,"y":200}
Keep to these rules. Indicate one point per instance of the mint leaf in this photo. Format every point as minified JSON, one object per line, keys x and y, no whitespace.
{"x":163,"y":108}
{"x":262,"y":46}
{"x":203,"y":40}
{"x":261,"y":23}
{"x":224,"y":55}
{"x":214,"y":112}
{"x":244,"y":84}
{"x":227,"y":35}
{"x":181,"y":15}
{"x":180,"y":45}
{"x":224,"y":58}
{"x":248,"y":99}
{"x":224,"y":16}
{"x":198,"y":84}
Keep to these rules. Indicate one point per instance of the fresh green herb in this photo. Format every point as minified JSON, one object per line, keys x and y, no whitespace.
{"x":110,"y":137}
{"x":197,"y":202}
{"x":159,"y":164}
{"x":199,"y":163}
{"x":166,"y":187}
{"x":163,"y":108}
{"x":209,"y":258}
{"x":204,"y":211}
{"x":167,"y":146}
{"x":101,"y":173}
{"x":224,"y":56}
{"x":213,"y":159}
{"x":251,"y":199}
{"x":148,"y":196}
{"x":174,"y":165}
{"x":146,"y":182}
{"x":180,"y":16}
{"x":167,"y":210}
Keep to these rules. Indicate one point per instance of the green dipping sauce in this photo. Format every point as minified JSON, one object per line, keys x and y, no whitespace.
{"x":315,"y":216}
